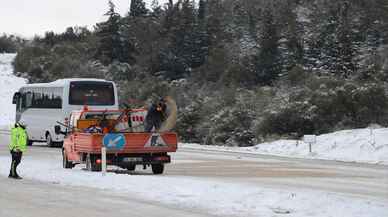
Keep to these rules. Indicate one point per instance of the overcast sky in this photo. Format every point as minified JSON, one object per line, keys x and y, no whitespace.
{"x":30,"y":17}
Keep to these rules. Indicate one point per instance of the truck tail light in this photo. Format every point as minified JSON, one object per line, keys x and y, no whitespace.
{"x":99,"y":161}
{"x":162,"y":158}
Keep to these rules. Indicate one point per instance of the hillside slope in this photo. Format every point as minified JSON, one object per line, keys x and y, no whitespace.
{"x":9,"y":84}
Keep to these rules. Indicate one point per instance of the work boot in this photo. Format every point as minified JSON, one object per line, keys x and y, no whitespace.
{"x":17,"y":176}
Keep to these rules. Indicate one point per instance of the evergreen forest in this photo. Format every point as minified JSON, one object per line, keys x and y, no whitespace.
{"x":241,"y":71}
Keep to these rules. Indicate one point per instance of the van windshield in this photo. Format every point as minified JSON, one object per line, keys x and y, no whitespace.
{"x":91,"y":93}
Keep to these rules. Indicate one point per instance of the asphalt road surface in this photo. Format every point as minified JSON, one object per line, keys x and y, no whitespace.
{"x":29,"y":198}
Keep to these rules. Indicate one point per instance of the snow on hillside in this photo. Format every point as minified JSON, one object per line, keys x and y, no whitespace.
{"x":221,"y":198}
{"x":9,"y":84}
{"x":358,"y":145}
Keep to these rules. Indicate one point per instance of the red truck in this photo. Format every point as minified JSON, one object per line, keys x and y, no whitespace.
{"x":122,"y":132}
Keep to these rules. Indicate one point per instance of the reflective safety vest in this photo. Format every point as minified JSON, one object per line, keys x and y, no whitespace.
{"x":18,"y":139}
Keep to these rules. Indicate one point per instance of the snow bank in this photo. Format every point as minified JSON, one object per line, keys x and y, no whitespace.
{"x":214,"y":196}
{"x":359,"y":145}
{"x":9,"y":84}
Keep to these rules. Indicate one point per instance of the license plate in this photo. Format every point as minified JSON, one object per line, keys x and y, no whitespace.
{"x":132,"y":159}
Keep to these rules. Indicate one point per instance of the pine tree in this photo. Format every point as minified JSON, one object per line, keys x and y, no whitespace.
{"x":156,"y":9}
{"x":201,"y":42}
{"x":332,"y":47}
{"x":215,"y":18}
{"x":138,"y":8}
{"x":112,"y":45}
{"x":179,"y":27}
{"x":202,"y":10}
{"x":291,"y":46}
{"x":268,"y":61}
{"x":346,"y":48}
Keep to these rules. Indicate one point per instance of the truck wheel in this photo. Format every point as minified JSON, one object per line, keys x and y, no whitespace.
{"x":157,"y":168}
{"x":88,"y":163}
{"x":131,"y":167}
{"x":65,"y":162}
{"x":91,"y":165}
{"x":96,"y":167}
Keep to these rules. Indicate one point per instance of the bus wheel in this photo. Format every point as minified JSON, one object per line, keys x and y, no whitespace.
{"x":49,"y":140}
{"x":157,"y":168}
{"x":29,"y":142}
{"x":59,"y":144}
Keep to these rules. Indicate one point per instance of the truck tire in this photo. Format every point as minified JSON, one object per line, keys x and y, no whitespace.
{"x":131,"y":167}
{"x":65,"y":162}
{"x":157,"y":168}
{"x":91,"y":165}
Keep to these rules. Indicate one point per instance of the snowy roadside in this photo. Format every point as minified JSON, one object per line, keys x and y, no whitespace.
{"x":219,"y":198}
{"x":358,"y":145}
{"x":9,"y":84}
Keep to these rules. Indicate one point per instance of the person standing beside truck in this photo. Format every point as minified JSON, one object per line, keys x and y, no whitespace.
{"x":17,"y":146}
{"x":155,"y":116}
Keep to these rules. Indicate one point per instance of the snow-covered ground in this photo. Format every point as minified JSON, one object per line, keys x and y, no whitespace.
{"x":219,"y":198}
{"x":359,"y":145}
{"x":222,"y":198}
{"x":9,"y":84}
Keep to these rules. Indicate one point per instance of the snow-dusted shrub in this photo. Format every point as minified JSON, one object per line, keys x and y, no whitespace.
{"x":295,"y":118}
{"x":189,"y":123}
{"x":232,"y":126}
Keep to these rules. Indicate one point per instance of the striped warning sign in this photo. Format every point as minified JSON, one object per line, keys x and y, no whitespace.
{"x":155,"y":140}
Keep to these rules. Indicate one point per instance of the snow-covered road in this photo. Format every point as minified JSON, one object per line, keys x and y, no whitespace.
{"x":225,"y":184}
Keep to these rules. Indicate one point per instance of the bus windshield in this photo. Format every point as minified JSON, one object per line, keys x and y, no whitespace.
{"x":91,"y":93}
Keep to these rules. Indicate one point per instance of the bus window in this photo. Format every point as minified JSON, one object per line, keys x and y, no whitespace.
{"x":91,"y":93}
{"x":19,"y":103}
{"x":28,"y":99}
{"x":49,"y":98}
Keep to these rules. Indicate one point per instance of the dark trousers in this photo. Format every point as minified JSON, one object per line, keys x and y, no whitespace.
{"x":152,"y":122}
{"x":16,"y":158}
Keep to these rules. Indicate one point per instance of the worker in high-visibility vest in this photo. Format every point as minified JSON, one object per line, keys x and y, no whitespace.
{"x":17,"y":147}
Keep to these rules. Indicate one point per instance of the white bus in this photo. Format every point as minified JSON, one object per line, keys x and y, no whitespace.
{"x":41,"y":105}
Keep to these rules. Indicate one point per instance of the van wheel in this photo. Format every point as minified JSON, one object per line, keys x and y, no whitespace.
{"x":29,"y":142}
{"x":66,"y":163}
{"x":49,"y":140}
{"x":157,"y":168}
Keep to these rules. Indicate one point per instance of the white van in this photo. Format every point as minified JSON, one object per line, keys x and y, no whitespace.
{"x":41,"y":105}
